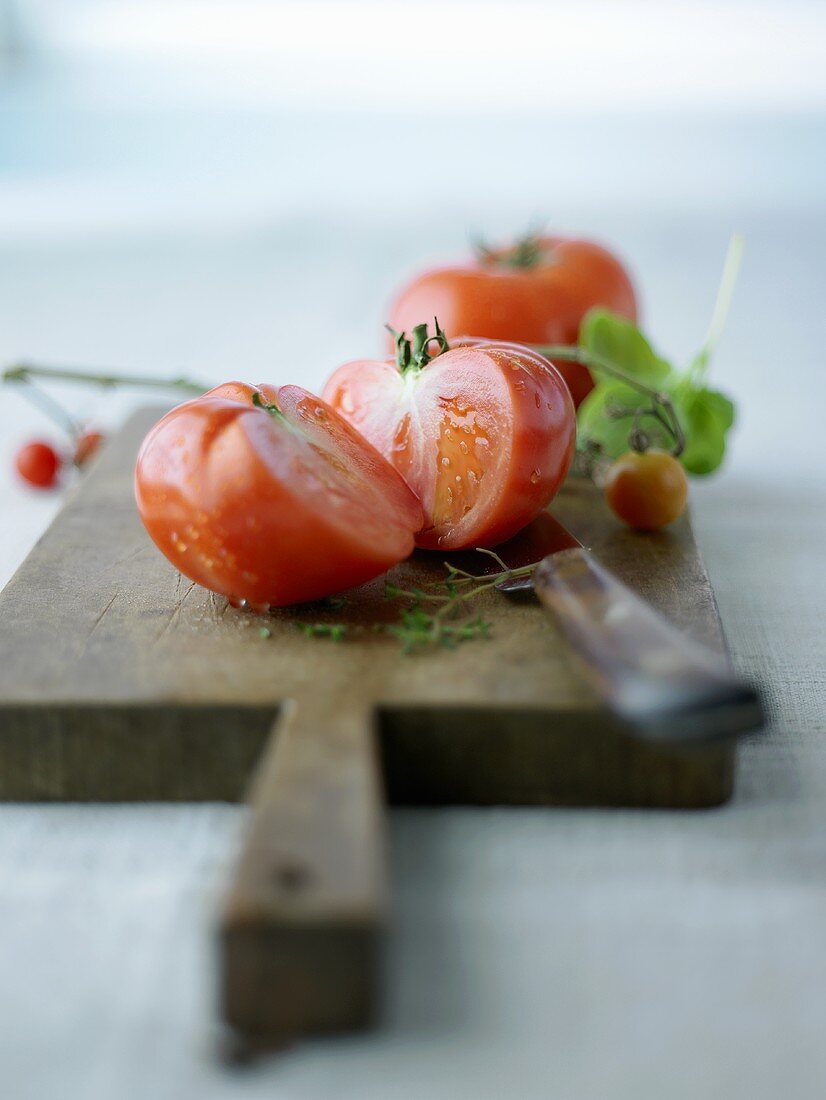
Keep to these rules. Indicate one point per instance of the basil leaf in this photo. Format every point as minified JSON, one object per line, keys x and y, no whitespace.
{"x":620,"y":342}
{"x":705,"y":416}
{"x":597,"y":419}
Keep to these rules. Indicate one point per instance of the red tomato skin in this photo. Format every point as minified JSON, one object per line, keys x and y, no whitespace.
{"x":223,"y":492}
{"x":544,"y":304}
{"x":38,"y":464}
{"x":87,"y":446}
{"x":541,"y":430}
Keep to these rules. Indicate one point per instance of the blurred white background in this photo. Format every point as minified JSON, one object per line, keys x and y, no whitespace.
{"x":234,"y":188}
{"x":122,"y":116}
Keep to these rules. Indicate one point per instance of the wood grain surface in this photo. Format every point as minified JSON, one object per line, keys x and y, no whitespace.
{"x":122,"y":680}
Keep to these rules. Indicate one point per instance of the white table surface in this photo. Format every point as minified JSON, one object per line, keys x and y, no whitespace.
{"x":533,"y":953}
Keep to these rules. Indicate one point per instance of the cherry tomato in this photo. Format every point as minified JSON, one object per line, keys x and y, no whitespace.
{"x":648,"y":490}
{"x":39,"y":464}
{"x":535,"y":292}
{"x":88,"y":443}
{"x":483,"y":434}
{"x":269,"y":497}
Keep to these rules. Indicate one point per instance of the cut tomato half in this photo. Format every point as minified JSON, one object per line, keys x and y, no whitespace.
{"x":483,"y":433}
{"x":269,"y":497}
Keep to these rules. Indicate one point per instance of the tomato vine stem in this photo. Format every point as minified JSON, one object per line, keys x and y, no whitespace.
{"x":22,"y":375}
{"x":52,"y":408}
{"x":24,"y":372}
{"x":662,"y":407}
{"x":722,"y":305}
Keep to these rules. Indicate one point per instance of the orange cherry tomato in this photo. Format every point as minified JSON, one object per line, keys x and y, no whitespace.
{"x":483,"y":434}
{"x":648,"y":490}
{"x":535,"y":292}
{"x":269,"y":497}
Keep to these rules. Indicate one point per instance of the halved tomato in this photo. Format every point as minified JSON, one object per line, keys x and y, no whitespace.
{"x":269,"y":497}
{"x":483,"y":433}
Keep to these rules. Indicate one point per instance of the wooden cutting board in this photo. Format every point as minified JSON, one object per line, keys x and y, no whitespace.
{"x":121,"y":680}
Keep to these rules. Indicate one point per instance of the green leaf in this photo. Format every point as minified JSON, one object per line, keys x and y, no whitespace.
{"x":705,"y":416}
{"x":620,"y":342}
{"x":598,"y":418}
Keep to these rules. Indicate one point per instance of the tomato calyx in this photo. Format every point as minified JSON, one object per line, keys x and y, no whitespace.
{"x":273,"y":410}
{"x":412,"y":355}
{"x":526,"y":252}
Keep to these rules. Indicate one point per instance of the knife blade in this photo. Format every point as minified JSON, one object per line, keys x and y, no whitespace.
{"x":661,"y":684}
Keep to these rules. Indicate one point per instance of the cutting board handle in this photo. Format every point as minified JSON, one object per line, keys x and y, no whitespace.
{"x":301,"y":923}
{"x":663,"y":685}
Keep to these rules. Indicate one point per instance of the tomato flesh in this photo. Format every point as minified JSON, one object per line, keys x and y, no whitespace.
{"x":271,"y":508}
{"x":483,"y":434}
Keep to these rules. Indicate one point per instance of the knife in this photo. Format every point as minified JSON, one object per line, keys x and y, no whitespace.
{"x":662,"y":685}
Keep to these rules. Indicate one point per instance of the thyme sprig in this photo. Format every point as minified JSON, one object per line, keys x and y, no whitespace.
{"x":431,"y":618}
{"x":438,"y":614}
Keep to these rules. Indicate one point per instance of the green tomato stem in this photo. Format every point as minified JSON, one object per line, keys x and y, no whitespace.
{"x":413,"y":355}
{"x":21,"y":374}
{"x":24,"y":372}
{"x":526,"y":253}
{"x":273,"y":411}
{"x":663,"y":408}
{"x":722,"y":305}
{"x":53,"y":409}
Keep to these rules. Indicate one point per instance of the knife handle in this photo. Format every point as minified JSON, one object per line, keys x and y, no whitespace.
{"x":663,"y":685}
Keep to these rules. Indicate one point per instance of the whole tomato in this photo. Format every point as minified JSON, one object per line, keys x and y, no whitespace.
{"x":87,"y":445}
{"x":38,"y":464}
{"x":534,"y":292}
{"x":483,"y":433}
{"x":647,"y":490}
{"x":269,"y":497}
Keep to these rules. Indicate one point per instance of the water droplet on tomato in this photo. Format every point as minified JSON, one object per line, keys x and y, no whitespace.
{"x":445,"y":461}
{"x":459,"y":478}
{"x":237,"y":602}
{"x":538,"y":400}
{"x":463,"y":447}
{"x":535,"y":476}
